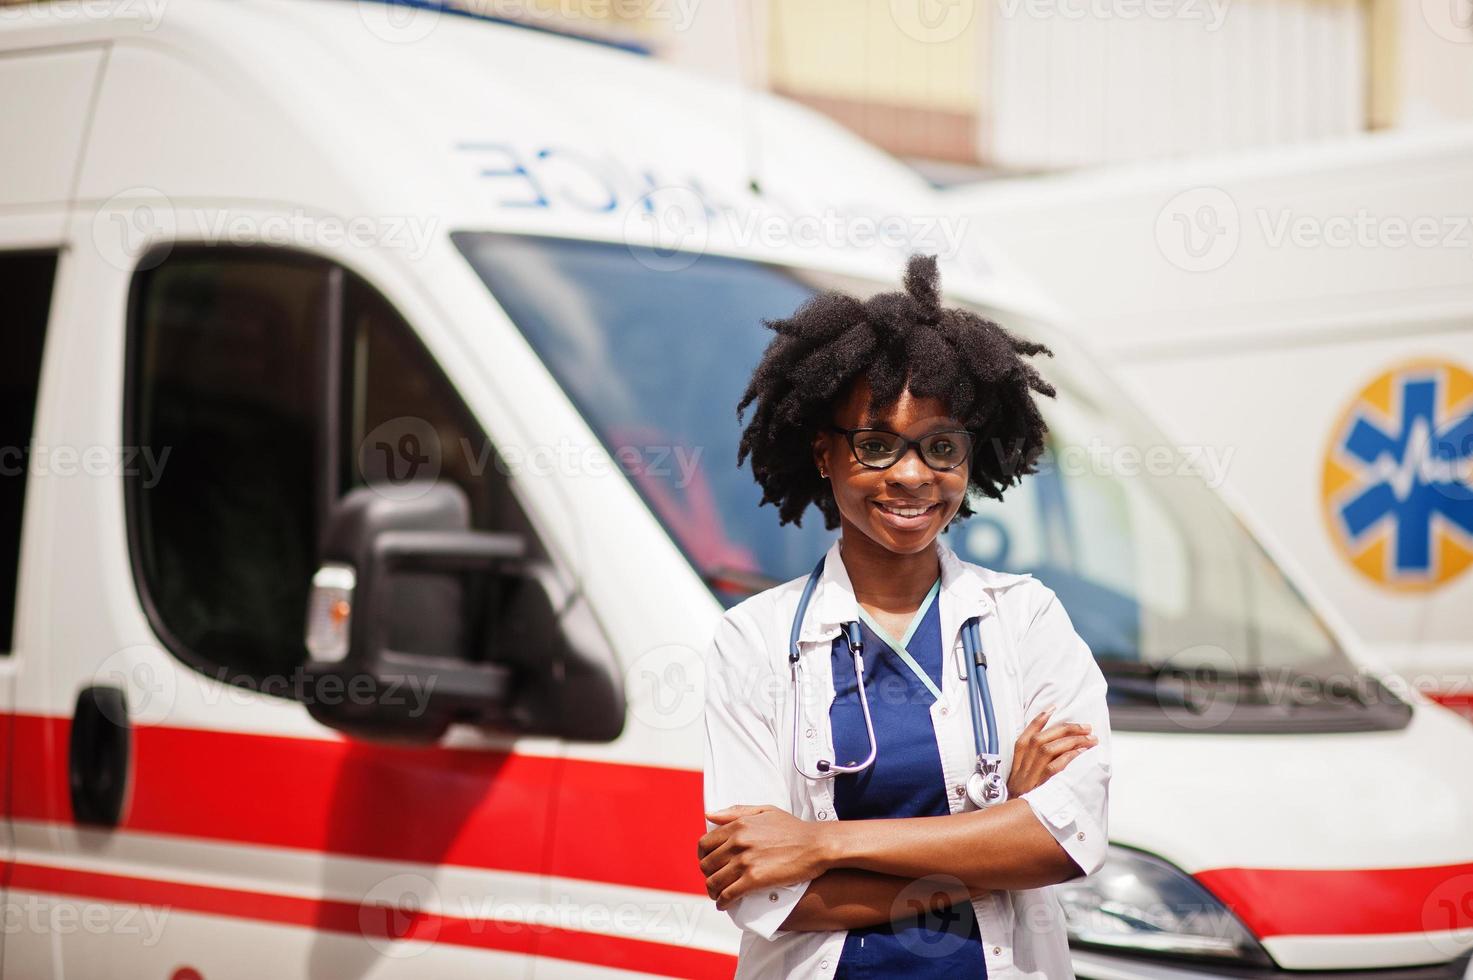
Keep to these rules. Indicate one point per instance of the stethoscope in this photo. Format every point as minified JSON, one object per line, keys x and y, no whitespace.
{"x":985,"y":786}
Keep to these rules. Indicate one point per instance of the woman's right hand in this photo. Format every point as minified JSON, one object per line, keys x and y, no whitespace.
{"x":1040,"y":752}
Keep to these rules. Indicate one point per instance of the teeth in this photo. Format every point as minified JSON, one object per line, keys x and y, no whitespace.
{"x":905,"y":511}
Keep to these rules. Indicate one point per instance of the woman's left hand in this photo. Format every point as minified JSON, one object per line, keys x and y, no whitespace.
{"x":756,"y":847}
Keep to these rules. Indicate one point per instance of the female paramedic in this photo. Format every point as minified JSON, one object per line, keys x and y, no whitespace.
{"x":876,"y":805}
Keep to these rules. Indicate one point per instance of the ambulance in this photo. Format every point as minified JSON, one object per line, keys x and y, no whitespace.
{"x":1321,"y":295}
{"x":371,"y":499}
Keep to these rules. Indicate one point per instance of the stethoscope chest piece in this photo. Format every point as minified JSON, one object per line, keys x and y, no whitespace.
{"x":985,"y":786}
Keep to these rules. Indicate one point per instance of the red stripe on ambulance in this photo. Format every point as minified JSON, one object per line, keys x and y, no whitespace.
{"x":376,"y":921}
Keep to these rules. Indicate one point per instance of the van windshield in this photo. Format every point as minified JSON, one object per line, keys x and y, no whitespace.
{"x":655,"y":350}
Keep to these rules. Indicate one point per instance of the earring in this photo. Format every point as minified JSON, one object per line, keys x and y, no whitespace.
{"x":823,"y":473}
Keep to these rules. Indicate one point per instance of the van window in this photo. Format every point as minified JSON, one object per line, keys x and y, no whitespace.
{"x":227,"y":349}
{"x":25,"y":282}
{"x":403,"y":420}
{"x":1150,"y":566}
{"x":229,"y":376}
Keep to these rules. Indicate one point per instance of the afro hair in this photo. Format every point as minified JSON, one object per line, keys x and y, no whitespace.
{"x":893,"y":340}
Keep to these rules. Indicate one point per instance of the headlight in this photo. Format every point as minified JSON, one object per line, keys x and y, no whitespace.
{"x":1143,"y":904}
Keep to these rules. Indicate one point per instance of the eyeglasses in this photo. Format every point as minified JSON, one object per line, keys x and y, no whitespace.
{"x":880,"y":449}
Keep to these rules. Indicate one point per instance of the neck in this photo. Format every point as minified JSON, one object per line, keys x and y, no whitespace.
{"x":884,"y":579}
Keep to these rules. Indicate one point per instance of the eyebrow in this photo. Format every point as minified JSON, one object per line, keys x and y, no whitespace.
{"x":870,"y":422}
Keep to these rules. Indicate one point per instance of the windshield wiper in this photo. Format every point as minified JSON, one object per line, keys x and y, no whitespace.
{"x":1287,"y":688}
{"x":1277,"y":687}
{"x":1140,"y":681}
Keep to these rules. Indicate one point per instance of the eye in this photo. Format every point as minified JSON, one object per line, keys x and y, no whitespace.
{"x":943,"y":447}
{"x":948,"y":448}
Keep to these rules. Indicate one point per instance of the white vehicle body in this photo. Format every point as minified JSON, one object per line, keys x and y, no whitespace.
{"x":254,"y":839}
{"x":1260,"y":305}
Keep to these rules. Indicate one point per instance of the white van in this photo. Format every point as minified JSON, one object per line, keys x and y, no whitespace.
{"x":378,"y":500}
{"x":1306,"y":313}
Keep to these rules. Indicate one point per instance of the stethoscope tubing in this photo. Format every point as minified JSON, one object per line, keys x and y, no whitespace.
{"x":977,"y":687}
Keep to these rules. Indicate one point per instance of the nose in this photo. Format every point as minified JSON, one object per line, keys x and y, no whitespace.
{"x":910,"y":470}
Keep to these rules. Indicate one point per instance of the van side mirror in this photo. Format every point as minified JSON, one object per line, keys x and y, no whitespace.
{"x":416,"y":621}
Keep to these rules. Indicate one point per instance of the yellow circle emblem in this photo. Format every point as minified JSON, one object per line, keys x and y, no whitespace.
{"x":1397,"y":487}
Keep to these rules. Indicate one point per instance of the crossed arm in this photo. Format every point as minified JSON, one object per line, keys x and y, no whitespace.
{"x":866,"y":872}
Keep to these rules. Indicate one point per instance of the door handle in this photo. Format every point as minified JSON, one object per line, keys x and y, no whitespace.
{"x":101,"y":745}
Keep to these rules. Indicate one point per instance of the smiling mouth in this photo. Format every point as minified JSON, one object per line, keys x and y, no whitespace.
{"x":906,"y":510}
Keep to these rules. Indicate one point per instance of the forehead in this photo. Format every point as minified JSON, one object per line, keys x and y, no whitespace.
{"x":853,"y":410}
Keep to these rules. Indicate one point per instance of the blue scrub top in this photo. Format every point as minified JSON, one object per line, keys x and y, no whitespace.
{"x":905,"y":781}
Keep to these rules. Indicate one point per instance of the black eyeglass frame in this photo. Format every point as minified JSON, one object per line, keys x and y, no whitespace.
{"x":909,"y":444}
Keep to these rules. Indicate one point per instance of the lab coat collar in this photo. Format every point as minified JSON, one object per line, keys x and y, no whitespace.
{"x":968,"y":587}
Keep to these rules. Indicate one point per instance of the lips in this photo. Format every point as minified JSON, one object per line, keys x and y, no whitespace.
{"x":906,"y":515}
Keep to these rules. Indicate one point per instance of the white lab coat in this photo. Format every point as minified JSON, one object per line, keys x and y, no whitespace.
{"x":1035,"y":658}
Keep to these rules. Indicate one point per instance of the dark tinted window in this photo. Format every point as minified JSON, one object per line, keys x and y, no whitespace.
{"x":229,"y":368}
{"x":25,"y":291}
{"x":228,"y":350}
{"x":402,"y":420}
